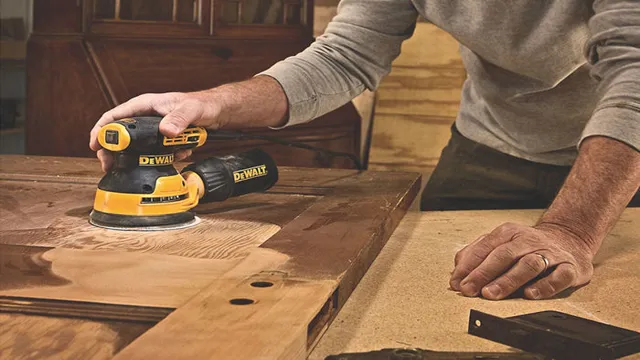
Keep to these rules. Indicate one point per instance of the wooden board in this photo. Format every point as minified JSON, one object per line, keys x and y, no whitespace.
{"x":404,"y":300}
{"x":262,"y":276}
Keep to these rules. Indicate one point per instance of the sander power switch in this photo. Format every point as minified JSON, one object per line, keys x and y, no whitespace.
{"x":141,"y":135}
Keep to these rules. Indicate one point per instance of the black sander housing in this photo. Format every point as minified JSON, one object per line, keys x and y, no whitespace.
{"x":144,"y":191}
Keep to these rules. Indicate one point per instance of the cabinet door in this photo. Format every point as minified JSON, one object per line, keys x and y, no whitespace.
{"x":166,"y":18}
{"x":263,"y":18}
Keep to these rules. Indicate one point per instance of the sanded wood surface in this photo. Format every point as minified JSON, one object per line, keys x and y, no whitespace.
{"x":262,"y":276}
{"x":404,"y":300}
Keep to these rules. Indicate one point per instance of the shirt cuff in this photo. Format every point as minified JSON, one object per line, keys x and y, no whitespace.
{"x":617,"y":122}
{"x":302,"y":99}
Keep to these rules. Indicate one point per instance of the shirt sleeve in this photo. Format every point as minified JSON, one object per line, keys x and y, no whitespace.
{"x":613,"y":50}
{"x":354,"y":54}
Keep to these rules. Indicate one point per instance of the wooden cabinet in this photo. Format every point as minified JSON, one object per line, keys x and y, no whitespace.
{"x":84,"y":57}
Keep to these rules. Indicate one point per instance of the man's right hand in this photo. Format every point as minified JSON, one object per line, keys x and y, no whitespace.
{"x":258,"y":102}
{"x":179,"y":110}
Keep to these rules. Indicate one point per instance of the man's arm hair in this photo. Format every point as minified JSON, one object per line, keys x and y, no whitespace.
{"x":606,"y":174}
{"x":603,"y":180}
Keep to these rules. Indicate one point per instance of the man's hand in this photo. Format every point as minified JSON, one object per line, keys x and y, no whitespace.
{"x":258,"y":102}
{"x":178,"y":109}
{"x":499,"y":263}
{"x":601,"y":183}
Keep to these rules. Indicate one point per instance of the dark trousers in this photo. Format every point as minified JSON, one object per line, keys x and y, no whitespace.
{"x":471,"y":176}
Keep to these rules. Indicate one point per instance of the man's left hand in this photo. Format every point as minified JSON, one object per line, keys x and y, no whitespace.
{"x":499,"y":263}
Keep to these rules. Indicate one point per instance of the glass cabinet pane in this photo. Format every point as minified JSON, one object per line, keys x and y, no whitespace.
{"x":230,"y":12}
{"x":262,"y":11}
{"x":104,"y":9}
{"x":265,"y":12}
{"x":186,"y":11}
{"x":294,"y":14}
{"x":148,"y":10}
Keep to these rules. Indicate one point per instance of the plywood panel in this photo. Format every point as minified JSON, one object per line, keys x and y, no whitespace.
{"x":413,"y":151}
{"x":404,"y":301}
{"x":417,"y":103}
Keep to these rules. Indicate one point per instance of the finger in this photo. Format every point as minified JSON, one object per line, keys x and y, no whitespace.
{"x":495,"y":264}
{"x":527,"y":268}
{"x":474,"y":254}
{"x":182,"y":154}
{"x":188,"y":112}
{"x":136,"y":106}
{"x":460,"y":253}
{"x":106,"y":159}
{"x":563,"y":277}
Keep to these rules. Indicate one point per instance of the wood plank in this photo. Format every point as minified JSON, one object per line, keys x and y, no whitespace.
{"x":334,"y":223}
{"x":39,"y":337}
{"x":105,"y":276}
{"x":405,"y":293}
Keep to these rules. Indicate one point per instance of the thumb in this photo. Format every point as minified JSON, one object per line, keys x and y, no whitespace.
{"x":182,"y":116}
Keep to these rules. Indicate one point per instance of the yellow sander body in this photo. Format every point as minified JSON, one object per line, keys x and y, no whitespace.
{"x":144,"y":191}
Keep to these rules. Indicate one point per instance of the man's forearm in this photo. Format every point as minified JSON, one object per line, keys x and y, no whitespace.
{"x":258,"y":102}
{"x":603,"y":180}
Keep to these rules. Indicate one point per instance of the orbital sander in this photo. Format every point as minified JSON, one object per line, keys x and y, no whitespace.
{"x":144,"y":191}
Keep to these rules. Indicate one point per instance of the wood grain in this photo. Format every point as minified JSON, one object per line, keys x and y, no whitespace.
{"x":334,"y":222}
{"x":404,"y":300}
{"x":106,"y":276}
{"x":38,"y":337}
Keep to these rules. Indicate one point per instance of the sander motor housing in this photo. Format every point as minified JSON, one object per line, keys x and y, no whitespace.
{"x":144,"y":189}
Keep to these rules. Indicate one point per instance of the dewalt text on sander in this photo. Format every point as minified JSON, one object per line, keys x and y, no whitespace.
{"x":144,"y":191}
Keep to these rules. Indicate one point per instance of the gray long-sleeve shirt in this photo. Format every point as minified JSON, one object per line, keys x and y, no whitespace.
{"x":542,"y":74}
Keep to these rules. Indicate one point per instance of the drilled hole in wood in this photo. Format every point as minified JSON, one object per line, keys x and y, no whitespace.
{"x":241,"y":301}
{"x":478,"y":323}
{"x":262,"y":284}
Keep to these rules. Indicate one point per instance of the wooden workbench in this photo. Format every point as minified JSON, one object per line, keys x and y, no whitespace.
{"x":404,"y":301}
{"x":261,"y":277}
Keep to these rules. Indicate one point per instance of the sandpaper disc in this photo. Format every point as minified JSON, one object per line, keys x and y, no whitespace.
{"x":143,"y":223}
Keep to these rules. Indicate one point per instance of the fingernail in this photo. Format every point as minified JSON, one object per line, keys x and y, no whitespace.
{"x":468,"y":288}
{"x":535,"y":293}
{"x":493,"y":291}
{"x":455,"y":284}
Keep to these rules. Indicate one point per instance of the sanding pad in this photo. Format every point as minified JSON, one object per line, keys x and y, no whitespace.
{"x":196,"y":220}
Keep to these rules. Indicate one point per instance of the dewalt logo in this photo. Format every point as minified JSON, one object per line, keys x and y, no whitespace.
{"x":156,"y":160}
{"x":250,"y":173}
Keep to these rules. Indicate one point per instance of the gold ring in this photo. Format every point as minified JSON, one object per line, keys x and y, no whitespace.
{"x":546,"y":262}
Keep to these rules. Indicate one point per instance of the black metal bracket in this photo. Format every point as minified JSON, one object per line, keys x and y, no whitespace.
{"x":556,"y":335}
{"x":420,"y":354}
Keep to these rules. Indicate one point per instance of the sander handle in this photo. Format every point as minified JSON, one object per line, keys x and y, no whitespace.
{"x":220,"y":178}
